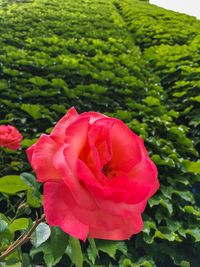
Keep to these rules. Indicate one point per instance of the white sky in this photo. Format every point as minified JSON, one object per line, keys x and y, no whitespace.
{"x":190,"y":7}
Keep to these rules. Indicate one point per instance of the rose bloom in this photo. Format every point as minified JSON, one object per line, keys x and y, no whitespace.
{"x":97,"y":176}
{"x":10,"y":137}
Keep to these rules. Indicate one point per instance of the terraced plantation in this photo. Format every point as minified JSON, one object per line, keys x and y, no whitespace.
{"x":127,"y":59}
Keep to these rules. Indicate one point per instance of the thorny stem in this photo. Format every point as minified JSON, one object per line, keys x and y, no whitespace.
{"x":22,"y":239}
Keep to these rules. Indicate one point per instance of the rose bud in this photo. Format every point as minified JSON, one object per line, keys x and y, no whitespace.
{"x":10,"y":137}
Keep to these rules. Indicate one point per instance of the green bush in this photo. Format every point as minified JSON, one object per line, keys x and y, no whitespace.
{"x":152,"y":25}
{"x":179,"y":69}
{"x":55,"y":54}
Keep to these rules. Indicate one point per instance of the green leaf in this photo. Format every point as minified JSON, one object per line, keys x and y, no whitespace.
{"x":29,"y":179}
{"x":196,"y":98}
{"x":195,"y":233}
{"x":38,"y":81}
{"x":28,"y":142}
{"x":58,"y":243}
{"x":54,"y":248}
{"x":192,"y":166}
{"x":111,"y":247}
{"x":46,"y":250}
{"x":19,"y":224}
{"x":123,"y":115}
{"x":3,"y":226}
{"x":33,"y":110}
{"x":159,"y":161}
{"x":151,"y":101}
{"x":185,"y":264}
{"x":161,"y":201}
{"x":166,"y":234}
{"x":41,"y":234}
{"x":192,"y":210}
{"x":126,"y":263}
{"x":34,"y":198}
{"x":26,"y":260}
{"x":74,"y":251}
{"x":12,"y":184}
{"x":148,"y":225}
{"x":92,"y":250}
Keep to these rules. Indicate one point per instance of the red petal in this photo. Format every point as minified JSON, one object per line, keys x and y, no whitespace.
{"x":145,"y":175}
{"x":93,"y":116}
{"x":82,"y":196}
{"x":58,"y":212}
{"x":58,"y":133}
{"x":125,"y":147}
{"x":126,"y":229}
{"x":41,"y":158}
{"x":100,"y":141}
{"x":29,"y":152}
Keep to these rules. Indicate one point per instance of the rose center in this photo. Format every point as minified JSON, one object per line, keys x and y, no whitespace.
{"x":108,"y":171}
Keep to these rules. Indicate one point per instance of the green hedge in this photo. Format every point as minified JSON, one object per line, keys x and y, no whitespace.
{"x":55,"y":54}
{"x":152,"y":25}
{"x":170,"y":45}
{"x":179,"y":70}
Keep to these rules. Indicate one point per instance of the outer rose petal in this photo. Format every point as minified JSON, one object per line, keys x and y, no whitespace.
{"x":58,"y":133}
{"x":93,"y":116}
{"x":153,"y":168}
{"x":142,"y":147}
{"x":41,"y":156}
{"x":62,"y":210}
{"x":29,"y":152}
{"x":58,"y":213}
{"x":83,"y":198}
{"x":126,"y":229}
{"x":145,"y":174}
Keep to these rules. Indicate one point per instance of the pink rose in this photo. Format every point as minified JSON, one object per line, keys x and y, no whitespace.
{"x":10,"y":137}
{"x":97,"y":176}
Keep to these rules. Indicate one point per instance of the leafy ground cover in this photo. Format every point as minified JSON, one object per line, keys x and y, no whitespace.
{"x":152,"y":25}
{"x":55,"y":54}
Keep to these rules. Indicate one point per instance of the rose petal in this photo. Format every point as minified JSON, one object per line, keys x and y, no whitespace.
{"x":152,"y":166}
{"x":58,"y":212}
{"x":82,"y":196}
{"x":58,"y":133}
{"x":41,"y":157}
{"x":125,"y":148}
{"x":126,"y":229}
{"x":75,"y":140}
{"x":100,"y":141}
{"x":145,"y":175}
{"x":29,"y":152}
{"x":61,"y":209}
{"x":120,"y":209}
{"x":93,"y":116}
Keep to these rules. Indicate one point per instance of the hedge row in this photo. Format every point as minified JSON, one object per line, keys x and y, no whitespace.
{"x":179,"y":70}
{"x":62,"y":53}
{"x":177,"y":64}
{"x":152,"y":25}
{"x":170,"y":45}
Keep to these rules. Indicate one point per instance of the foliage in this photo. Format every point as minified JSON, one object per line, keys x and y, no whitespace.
{"x":55,"y":54}
{"x":152,"y":25}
